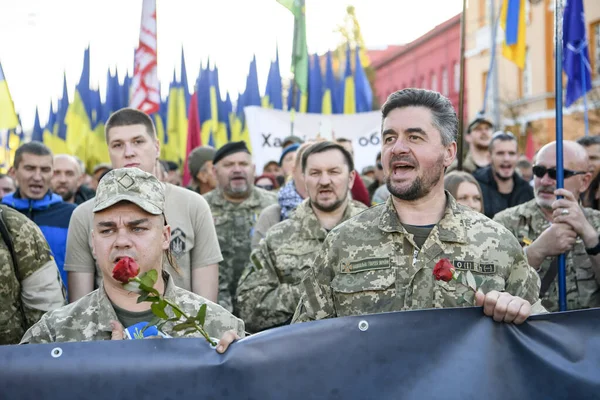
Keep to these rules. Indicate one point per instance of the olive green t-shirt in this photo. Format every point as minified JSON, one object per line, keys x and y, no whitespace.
{"x":129,"y":318}
{"x":419,"y":232}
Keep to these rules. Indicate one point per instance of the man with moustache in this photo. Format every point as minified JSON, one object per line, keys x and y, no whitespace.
{"x":479,"y":134}
{"x":502,"y":187}
{"x":383,"y":259}
{"x":132,"y":142}
{"x":235,"y":204}
{"x":547,"y":227}
{"x":270,"y":288}
{"x":129,"y":221}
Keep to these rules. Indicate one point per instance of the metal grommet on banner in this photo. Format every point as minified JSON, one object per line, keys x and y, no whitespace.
{"x":363,"y":325}
{"x":56,"y":352}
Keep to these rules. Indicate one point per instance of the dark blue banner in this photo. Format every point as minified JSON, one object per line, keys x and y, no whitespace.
{"x":431,"y":354}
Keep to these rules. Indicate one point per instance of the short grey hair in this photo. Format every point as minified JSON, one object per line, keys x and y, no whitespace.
{"x":76,"y":160}
{"x":443,"y":114}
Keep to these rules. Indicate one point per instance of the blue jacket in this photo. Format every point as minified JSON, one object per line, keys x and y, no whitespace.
{"x":52,"y":215}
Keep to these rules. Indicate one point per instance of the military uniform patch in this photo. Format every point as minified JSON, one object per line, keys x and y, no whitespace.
{"x":178,"y":242}
{"x":367,"y":264}
{"x":466,"y":265}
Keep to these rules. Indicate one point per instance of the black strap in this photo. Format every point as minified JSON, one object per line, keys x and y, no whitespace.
{"x":549,"y":277}
{"x":11,"y":249}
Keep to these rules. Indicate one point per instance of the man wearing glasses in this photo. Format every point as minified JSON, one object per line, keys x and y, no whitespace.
{"x":501,"y":185}
{"x":547,"y":227}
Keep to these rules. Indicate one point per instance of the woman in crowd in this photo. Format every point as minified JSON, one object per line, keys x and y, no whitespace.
{"x":465,"y":189}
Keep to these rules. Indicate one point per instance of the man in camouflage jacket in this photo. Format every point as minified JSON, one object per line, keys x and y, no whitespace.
{"x":383,"y":259}
{"x":128,"y":222}
{"x":546,"y":228}
{"x":270,"y":289}
{"x":34,"y":286}
{"x":235,"y":205}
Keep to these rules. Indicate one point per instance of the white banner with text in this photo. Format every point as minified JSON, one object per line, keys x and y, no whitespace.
{"x":268,"y":128}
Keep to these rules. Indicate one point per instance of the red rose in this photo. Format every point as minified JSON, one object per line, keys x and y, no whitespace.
{"x":443,"y":270}
{"x":125,"y":269}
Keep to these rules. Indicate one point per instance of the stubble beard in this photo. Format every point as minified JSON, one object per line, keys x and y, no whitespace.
{"x":420,"y":187}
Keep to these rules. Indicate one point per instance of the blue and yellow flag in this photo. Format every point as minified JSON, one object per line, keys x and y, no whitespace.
{"x":177,"y":124}
{"x":513,"y":21}
{"x":315,"y":86}
{"x":56,"y":130}
{"x":329,"y":101}
{"x":364,"y":94}
{"x":273,"y":97}
{"x":38,"y":133}
{"x":207,"y":124}
{"x":8,"y":116}
{"x":78,"y":119}
{"x":219,"y":106}
{"x":349,"y":89}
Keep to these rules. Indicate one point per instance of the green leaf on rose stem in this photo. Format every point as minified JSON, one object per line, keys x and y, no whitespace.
{"x":463,"y":279}
{"x":143,"y":297}
{"x":183,"y":326}
{"x":149,"y":278}
{"x":159,"y":309}
{"x":471,"y":281}
{"x":160,"y":325}
{"x":152,"y":322}
{"x":190,"y":332}
{"x":149,"y":289}
{"x":177,"y":313}
{"x":201,"y":316}
{"x":153,"y":299}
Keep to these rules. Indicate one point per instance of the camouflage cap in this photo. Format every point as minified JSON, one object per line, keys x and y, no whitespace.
{"x":133,"y":185}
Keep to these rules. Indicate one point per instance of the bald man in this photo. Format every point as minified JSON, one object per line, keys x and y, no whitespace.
{"x":547,"y":227}
{"x":67,"y":177}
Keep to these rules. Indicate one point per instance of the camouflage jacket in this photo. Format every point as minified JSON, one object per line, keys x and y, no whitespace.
{"x":371,"y":264}
{"x":270,"y":289}
{"x":35,"y":287}
{"x":234,"y":223}
{"x":527,"y":222}
{"x":89,"y":318}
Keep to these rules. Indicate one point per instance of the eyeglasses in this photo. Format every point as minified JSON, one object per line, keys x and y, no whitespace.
{"x":265,"y":187}
{"x":540,"y":171}
{"x":379,"y":166}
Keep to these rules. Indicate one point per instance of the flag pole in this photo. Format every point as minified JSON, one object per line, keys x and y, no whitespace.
{"x":558,"y":51}
{"x":583,"y":91}
{"x":461,"y":93}
{"x":294,"y":105}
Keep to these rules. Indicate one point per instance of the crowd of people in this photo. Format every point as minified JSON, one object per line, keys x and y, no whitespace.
{"x":308,"y":239}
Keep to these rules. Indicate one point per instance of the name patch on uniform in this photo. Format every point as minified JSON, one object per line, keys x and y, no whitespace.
{"x":367,"y":264}
{"x":465,"y":265}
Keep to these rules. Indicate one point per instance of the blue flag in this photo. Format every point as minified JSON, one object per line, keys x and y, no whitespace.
{"x":576,"y":60}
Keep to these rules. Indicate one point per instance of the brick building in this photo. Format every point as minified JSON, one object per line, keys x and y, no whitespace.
{"x":429,"y":62}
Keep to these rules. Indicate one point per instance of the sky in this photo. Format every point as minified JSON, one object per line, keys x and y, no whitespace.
{"x":41,"y":39}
